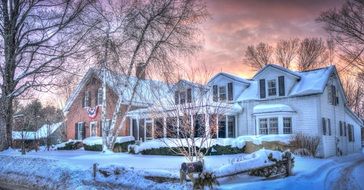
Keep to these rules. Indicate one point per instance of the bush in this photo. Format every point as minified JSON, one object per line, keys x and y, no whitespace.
{"x":119,"y":147}
{"x":72,"y":145}
{"x":305,"y":144}
{"x":172,"y":151}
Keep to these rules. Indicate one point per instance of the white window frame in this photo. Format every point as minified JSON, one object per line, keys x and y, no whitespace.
{"x":225,"y":88}
{"x":290,"y":123}
{"x":269,"y":125}
{"x":95,"y":124}
{"x":272,"y":81}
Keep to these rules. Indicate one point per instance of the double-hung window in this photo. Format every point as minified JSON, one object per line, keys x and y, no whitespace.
{"x":272,"y":87}
{"x":287,"y":125}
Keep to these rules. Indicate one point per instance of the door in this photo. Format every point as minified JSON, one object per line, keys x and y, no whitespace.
{"x":149,"y":129}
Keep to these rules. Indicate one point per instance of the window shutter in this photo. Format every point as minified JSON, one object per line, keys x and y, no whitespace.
{"x":345,"y":129}
{"x":329,"y":94}
{"x":189,"y":95}
{"x":97,"y":97}
{"x":281,"y":86}
{"x":76,"y":131}
{"x":230,"y":91}
{"x":262,"y":88}
{"x":323,"y":126}
{"x":333,"y":95}
{"x":214,"y":91}
{"x":83,"y":130}
{"x":353,"y":132}
{"x":83,"y":99}
{"x":89,"y":98}
{"x":176,"y":97}
{"x":329,"y":126}
{"x":341,"y":128}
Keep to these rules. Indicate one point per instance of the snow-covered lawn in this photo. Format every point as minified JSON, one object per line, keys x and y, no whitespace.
{"x":309,"y":173}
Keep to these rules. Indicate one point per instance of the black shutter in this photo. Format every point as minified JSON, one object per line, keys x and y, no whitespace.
{"x":76,"y":131}
{"x":329,"y":126}
{"x":97,"y":97}
{"x":176,"y":97}
{"x":83,"y":130}
{"x":214,"y":91}
{"x":89,"y":98}
{"x":281,"y":86}
{"x":83,"y":99}
{"x":345,"y":129}
{"x":333,"y":95}
{"x":323,"y":126}
{"x":341,"y":128}
{"x":230,"y":91}
{"x":189,"y":95}
{"x":262,"y":88}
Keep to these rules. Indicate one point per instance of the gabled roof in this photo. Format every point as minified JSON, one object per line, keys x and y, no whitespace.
{"x":310,"y":82}
{"x":230,"y":76}
{"x":122,"y":86}
{"x":285,"y":70}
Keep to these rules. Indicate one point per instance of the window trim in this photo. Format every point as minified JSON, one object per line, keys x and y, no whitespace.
{"x":284,"y":126}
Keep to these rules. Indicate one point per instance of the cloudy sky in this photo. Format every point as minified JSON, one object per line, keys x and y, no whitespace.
{"x":236,"y":24}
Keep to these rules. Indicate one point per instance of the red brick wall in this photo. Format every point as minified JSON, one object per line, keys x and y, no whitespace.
{"x":78,"y":114}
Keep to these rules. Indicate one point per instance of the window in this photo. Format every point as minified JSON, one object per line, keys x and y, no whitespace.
{"x":222,"y":126}
{"x":199,"y":125}
{"x":273,"y":125}
{"x":333,"y":95}
{"x":93,"y":129}
{"x":272,"y":88}
{"x":171,"y":127}
{"x":287,"y":125}
{"x":86,"y":99}
{"x":222,"y":93}
{"x":231,"y":126}
{"x":149,"y":129}
{"x":99,"y":96}
{"x":263,"y":126}
{"x":182,"y":97}
{"x":79,"y":131}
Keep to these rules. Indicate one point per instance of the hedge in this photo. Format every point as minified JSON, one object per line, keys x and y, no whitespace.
{"x":214,"y":150}
{"x":73,"y":145}
{"x":119,"y":147}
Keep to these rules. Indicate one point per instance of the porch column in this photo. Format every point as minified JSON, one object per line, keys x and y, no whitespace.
{"x":217,"y":126}
{"x":207,"y":124}
{"x":152,"y":128}
{"x":137,"y":123}
{"x":177,"y":118}
{"x":226,"y":126}
{"x":192,"y":128}
{"x":164,"y":127}
{"x":130,"y":126}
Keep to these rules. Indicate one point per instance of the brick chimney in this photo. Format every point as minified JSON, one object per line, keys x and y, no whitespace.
{"x":140,"y":70}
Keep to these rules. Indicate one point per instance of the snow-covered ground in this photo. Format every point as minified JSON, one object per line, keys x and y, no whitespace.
{"x":49,"y":166}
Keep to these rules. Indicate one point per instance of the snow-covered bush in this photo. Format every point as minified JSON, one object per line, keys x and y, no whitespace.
{"x":95,"y":143}
{"x":69,"y":145}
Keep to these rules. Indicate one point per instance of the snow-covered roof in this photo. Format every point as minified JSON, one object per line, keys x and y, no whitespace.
{"x":26,"y":135}
{"x":290,"y":72}
{"x":230,"y":76}
{"x":147,"y":91}
{"x":310,"y":82}
{"x":42,"y":132}
{"x":268,"y":108}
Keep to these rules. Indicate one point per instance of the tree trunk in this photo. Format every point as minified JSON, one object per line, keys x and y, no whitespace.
{"x":3,"y":141}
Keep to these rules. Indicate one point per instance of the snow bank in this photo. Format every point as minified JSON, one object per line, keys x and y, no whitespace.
{"x":247,"y":162}
{"x":90,"y":141}
{"x":61,"y":145}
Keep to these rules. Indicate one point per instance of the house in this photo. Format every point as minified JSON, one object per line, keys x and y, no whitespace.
{"x":275,"y":101}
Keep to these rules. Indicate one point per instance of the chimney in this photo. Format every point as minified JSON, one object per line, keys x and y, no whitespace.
{"x":140,"y":70}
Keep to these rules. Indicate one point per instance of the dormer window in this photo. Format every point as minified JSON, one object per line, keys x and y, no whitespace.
{"x":223,"y":93}
{"x":272,"y":87}
{"x":333,"y":95}
{"x":183,"y":96}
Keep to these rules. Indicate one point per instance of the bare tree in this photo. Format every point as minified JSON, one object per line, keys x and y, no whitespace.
{"x":286,"y":51}
{"x":312,"y":53}
{"x":353,"y":86}
{"x":145,"y":35}
{"x":258,"y":56}
{"x":345,"y":26}
{"x":36,"y":38}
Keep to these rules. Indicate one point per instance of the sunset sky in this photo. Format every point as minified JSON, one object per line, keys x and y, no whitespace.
{"x":236,"y":24}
